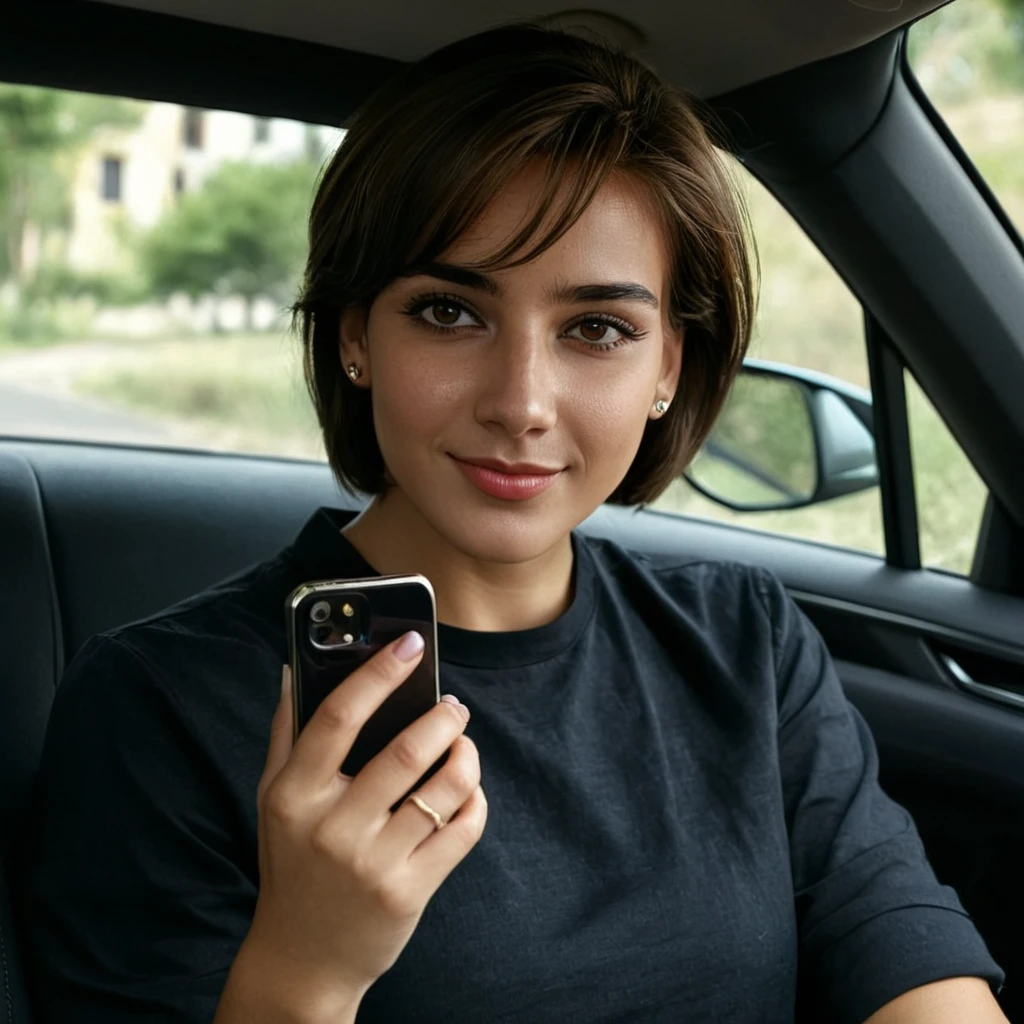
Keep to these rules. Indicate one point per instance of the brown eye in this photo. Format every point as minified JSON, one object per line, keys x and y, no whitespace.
{"x":445,"y":313}
{"x":593,"y":330}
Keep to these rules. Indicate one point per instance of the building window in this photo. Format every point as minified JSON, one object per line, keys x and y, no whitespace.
{"x":193,"y":128}
{"x":111,"y":186}
{"x":179,"y":181}
{"x":261,"y":129}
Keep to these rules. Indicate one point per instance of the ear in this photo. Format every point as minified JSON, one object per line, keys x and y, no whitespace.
{"x":352,"y":347}
{"x":671,"y":364}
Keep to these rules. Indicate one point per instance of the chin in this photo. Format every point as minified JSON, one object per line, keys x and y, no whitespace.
{"x":506,"y":537}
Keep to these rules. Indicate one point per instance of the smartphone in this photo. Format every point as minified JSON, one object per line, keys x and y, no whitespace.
{"x":334,"y":626}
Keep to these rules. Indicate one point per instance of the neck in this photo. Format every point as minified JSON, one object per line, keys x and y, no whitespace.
{"x":471,"y":594}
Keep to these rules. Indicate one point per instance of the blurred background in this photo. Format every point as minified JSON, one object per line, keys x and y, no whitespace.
{"x":149,"y":252}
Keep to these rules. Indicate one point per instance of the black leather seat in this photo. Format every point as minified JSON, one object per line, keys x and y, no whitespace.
{"x":91,"y":538}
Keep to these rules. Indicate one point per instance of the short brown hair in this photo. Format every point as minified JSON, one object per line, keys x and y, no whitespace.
{"x":424,"y":156}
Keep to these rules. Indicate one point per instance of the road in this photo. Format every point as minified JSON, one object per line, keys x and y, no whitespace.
{"x":29,"y":413}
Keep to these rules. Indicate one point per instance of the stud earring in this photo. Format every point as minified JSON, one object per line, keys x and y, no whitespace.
{"x":661,"y":406}
{"x":353,"y":371}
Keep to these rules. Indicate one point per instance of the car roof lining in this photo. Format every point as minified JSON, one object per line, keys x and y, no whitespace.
{"x":705,"y":48}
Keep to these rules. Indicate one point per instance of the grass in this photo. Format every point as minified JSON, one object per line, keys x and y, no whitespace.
{"x":242,"y":392}
{"x":950,"y":494}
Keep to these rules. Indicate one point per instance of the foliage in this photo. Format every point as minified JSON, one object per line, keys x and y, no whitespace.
{"x":970,"y":49}
{"x":242,"y":392}
{"x":41,"y":323}
{"x":242,"y":232}
{"x":1014,"y":13}
{"x":53,"y":281}
{"x":40,"y":131}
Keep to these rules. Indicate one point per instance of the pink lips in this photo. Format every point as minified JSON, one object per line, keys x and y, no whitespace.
{"x":511,"y":481}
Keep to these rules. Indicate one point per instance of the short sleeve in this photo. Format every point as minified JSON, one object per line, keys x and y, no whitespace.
{"x":132,"y":903}
{"x":873,"y":920}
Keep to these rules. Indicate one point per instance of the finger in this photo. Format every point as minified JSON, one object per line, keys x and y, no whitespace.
{"x":280,"y":745}
{"x":445,"y":792}
{"x":433,"y":860}
{"x":386,"y":778}
{"x":328,"y":736}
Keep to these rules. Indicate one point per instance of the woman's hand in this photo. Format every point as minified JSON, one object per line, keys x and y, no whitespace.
{"x":343,"y":881}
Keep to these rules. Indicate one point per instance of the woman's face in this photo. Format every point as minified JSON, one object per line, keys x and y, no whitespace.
{"x":509,"y":406}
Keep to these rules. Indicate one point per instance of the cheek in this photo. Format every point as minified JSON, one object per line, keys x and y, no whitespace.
{"x":608,"y":418}
{"x":415,"y":393}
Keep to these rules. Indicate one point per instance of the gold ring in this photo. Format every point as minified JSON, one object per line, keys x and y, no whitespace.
{"x":439,"y":822}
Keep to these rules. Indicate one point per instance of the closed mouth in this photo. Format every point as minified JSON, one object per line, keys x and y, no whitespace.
{"x":510,"y":468}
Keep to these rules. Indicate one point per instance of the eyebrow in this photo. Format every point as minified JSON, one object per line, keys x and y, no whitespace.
{"x":628,"y":290}
{"x":455,"y":274}
{"x":615,"y":290}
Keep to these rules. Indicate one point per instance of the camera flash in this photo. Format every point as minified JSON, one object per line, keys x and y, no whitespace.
{"x":347,"y":638}
{"x":348,"y":610}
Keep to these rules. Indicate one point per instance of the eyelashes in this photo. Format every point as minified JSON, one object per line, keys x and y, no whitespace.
{"x":419,"y":304}
{"x":432,"y":303}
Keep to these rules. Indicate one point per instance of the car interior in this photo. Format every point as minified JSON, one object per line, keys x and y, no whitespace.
{"x":819,"y":103}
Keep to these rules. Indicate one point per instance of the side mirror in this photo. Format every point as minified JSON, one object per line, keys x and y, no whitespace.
{"x":787,"y":438}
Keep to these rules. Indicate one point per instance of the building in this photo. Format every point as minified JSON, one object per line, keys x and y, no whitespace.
{"x":126,"y":179}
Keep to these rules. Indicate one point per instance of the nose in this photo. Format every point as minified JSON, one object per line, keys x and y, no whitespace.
{"x":518,"y":385}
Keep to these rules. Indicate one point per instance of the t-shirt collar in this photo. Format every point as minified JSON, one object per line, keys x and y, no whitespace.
{"x":323,"y":552}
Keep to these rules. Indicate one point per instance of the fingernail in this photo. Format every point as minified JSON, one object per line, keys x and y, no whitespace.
{"x":450,"y":698}
{"x":409,"y":646}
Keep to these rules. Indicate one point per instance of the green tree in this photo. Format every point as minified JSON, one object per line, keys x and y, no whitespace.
{"x":1015,"y":15}
{"x":41,"y":131}
{"x":243,"y":232}
{"x":971,"y":49}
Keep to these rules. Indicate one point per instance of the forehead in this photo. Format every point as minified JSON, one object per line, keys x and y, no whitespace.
{"x":617,"y":237}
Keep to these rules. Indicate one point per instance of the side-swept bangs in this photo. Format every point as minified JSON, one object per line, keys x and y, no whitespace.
{"x":424,"y":157}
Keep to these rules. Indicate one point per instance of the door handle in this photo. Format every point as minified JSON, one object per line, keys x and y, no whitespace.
{"x":996,"y":693}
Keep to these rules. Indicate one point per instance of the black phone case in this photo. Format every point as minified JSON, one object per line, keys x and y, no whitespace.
{"x":392,"y":606}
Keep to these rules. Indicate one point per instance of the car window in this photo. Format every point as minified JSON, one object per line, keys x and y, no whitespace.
{"x":969,"y":59}
{"x":150,"y":250}
{"x":806,"y":318}
{"x":950,"y":494}
{"x":149,"y":254}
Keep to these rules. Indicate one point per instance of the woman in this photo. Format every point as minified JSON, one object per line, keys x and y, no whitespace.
{"x":527,"y":293}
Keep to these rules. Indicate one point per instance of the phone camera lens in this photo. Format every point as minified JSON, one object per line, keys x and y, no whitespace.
{"x":320,"y":612}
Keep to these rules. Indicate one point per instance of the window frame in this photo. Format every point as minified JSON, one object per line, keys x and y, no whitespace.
{"x":770,"y":131}
{"x":891,"y":427}
{"x":193,"y":128}
{"x":115,"y":164}
{"x":785,"y":132}
{"x":998,"y":562}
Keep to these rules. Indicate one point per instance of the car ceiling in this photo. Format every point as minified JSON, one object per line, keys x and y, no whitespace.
{"x":707,"y":48}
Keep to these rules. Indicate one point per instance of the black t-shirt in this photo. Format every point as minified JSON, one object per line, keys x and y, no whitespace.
{"x":684,"y":816}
